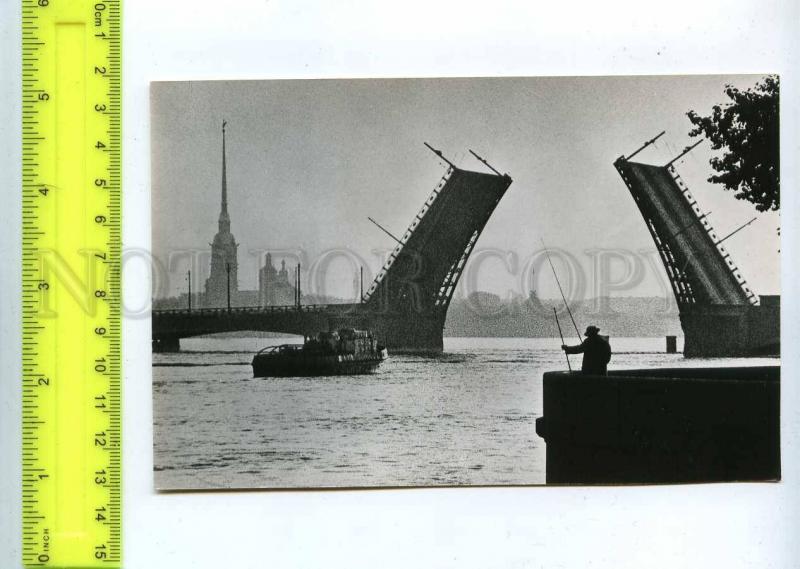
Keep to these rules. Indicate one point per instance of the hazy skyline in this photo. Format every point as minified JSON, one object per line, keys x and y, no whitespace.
{"x":309,"y":160}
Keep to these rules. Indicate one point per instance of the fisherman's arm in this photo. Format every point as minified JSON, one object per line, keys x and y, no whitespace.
{"x":573,"y":349}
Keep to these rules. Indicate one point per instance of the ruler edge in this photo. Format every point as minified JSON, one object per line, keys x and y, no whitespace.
{"x":115,"y":248}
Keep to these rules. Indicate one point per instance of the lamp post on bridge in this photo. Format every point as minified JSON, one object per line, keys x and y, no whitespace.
{"x":189,"y":278}
{"x":228,"y":271}
{"x":297,"y":287}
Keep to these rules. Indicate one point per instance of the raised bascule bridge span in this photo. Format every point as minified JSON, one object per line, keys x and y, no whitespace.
{"x":720,"y":315}
{"x":407,"y":303}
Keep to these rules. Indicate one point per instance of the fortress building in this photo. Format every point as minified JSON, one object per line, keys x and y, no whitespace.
{"x":273,"y":284}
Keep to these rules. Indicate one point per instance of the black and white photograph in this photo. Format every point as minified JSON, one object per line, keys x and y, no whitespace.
{"x":366,"y":283}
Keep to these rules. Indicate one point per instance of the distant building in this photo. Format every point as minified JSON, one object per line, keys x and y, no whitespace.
{"x":224,"y":274}
{"x":273,"y":284}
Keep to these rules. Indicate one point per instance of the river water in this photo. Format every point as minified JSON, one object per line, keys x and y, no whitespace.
{"x":463,"y":418}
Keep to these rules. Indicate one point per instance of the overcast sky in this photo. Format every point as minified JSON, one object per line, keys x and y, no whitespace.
{"x":309,"y":160}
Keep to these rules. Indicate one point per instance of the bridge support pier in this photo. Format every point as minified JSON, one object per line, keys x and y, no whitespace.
{"x":401,"y":332}
{"x":726,"y":331}
{"x":163,"y":344}
{"x":411,"y":333}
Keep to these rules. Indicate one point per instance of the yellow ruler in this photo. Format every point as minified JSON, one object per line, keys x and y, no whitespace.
{"x":71,"y":301}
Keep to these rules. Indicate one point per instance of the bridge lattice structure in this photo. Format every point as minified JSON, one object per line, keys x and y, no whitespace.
{"x":700,"y":269}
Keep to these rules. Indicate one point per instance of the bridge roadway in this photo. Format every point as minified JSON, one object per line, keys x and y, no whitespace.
{"x":290,"y":319}
{"x":406,"y":332}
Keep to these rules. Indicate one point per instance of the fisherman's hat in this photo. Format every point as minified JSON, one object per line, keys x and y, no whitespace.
{"x":591,"y":331}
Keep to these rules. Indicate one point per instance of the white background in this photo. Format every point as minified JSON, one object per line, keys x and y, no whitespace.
{"x":731,"y":525}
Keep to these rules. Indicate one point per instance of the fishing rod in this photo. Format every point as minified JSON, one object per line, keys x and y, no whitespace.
{"x":555,"y":313}
{"x":564,"y":298}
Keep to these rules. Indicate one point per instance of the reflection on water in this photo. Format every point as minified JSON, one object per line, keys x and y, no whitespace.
{"x":465,"y":417}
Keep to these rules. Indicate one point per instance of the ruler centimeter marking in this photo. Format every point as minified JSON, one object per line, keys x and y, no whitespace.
{"x":71,"y":296}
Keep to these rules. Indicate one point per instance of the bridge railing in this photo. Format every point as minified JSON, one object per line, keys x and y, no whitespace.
{"x":244,"y":310}
{"x":404,"y":239}
{"x":726,"y":257}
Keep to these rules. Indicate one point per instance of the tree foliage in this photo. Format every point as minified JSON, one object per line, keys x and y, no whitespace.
{"x":747,"y":130}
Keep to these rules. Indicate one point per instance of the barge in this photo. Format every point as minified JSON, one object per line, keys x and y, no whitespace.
{"x":345,"y":352}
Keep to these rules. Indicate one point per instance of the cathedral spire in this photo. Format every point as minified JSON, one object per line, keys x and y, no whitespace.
{"x":224,"y":219}
{"x":222,"y":285}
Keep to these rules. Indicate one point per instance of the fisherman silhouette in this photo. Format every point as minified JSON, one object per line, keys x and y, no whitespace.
{"x":595,"y":349}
